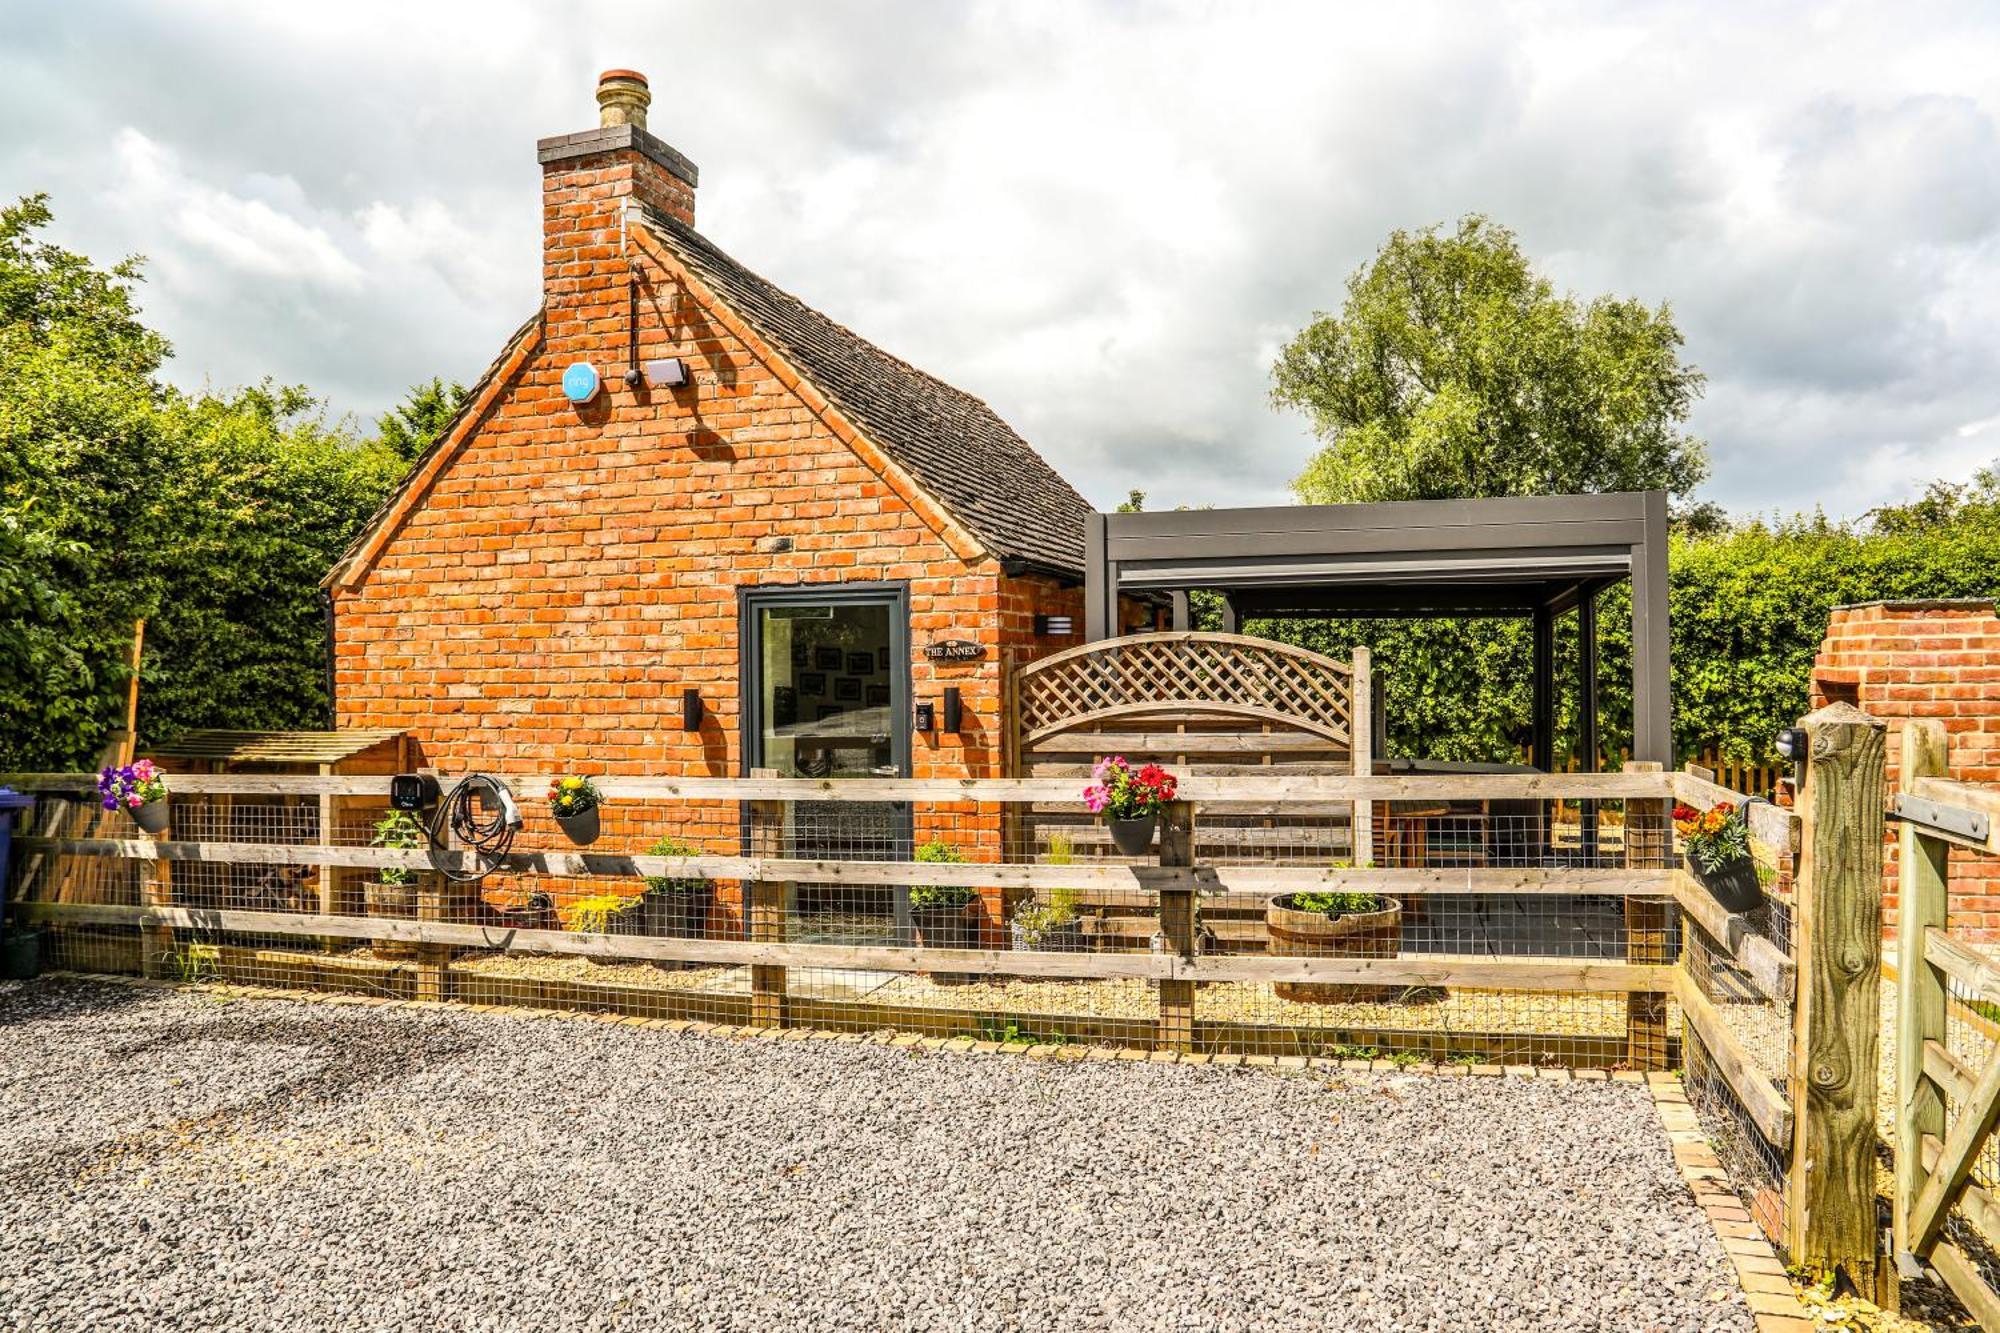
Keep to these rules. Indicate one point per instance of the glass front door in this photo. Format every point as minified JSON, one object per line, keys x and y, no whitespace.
{"x":827,"y":685}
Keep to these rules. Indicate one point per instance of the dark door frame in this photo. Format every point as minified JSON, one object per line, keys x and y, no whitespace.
{"x":752,"y":598}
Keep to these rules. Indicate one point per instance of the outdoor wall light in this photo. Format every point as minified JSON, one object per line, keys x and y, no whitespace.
{"x":1792,"y":744}
{"x":670,"y":373}
{"x":691,"y":709}
{"x":1054,"y":627}
{"x":954,"y":710}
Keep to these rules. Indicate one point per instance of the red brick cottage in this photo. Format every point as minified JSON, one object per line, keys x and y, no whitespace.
{"x":783,"y":532}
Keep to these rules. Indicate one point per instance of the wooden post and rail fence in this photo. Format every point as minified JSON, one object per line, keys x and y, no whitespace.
{"x":1947,"y":1093}
{"x":1818,"y":1115}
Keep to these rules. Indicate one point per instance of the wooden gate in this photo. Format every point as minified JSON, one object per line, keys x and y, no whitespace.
{"x":1211,"y":705}
{"x":1947,"y":1191}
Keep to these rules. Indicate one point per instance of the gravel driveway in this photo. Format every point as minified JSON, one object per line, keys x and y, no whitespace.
{"x":183,"y":1161}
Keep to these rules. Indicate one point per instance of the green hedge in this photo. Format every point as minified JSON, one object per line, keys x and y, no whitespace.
{"x":1749,"y":608}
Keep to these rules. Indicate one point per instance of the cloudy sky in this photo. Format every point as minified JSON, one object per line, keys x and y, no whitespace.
{"x":1103,"y":218}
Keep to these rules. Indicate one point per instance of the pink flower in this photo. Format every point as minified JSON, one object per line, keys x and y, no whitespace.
{"x":143,"y":770}
{"x":134,"y":801}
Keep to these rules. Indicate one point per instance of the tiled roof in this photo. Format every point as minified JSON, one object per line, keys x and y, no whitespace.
{"x":956,"y":447}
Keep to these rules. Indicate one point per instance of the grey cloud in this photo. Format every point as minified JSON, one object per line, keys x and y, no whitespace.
{"x":1102,"y":218}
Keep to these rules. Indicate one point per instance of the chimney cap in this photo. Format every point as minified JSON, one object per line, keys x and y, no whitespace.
{"x":622,"y":98}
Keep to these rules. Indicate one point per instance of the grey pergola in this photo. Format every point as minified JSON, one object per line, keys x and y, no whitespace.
{"x":1534,"y":557}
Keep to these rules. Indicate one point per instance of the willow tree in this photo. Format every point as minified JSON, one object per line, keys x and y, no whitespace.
{"x":1455,"y":370}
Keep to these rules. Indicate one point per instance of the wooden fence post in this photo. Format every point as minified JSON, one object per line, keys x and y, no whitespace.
{"x":1835,"y":1018}
{"x":1648,"y":924}
{"x":1175,"y":1029}
{"x":1922,"y":900}
{"x":156,"y":943}
{"x":765,"y":902}
{"x":433,"y":960}
{"x":1361,"y":745}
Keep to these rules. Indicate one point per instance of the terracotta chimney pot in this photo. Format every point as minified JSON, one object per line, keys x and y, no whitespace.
{"x":622,"y":98}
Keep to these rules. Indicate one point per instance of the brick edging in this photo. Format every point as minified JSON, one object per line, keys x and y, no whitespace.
{"x":879,"y":1037}
{"x":1773,"y":1300}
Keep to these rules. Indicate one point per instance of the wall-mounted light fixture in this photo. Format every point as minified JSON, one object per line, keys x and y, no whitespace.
{"x":1793,"y":744}
{"x":691,"y":709}
{"x":954,"y":710}
{"x":1054,"y":627}
{"x":670,"y":373}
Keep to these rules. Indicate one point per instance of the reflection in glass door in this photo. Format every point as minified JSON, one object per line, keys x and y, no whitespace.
{"x":826,"y":685}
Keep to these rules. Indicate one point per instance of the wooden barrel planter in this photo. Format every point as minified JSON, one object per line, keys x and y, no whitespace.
{"x":1295,"y":933}
{"x":391,"y":902}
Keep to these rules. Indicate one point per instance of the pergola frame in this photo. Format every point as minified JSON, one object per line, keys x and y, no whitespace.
{"x":1533,"y":557}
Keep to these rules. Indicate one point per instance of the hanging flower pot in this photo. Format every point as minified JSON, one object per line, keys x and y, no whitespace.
{"x":1732,"y":883}
{"x":139,"y":789}
{"x":1133,"y":837}
{"x":581,"y":828}
{"x":1130,"y":801}
{"x":574,"y":801}
{"x":1717,"y":843}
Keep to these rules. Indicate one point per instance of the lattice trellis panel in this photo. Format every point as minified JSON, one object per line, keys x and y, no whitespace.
{"x":1224,"y":673}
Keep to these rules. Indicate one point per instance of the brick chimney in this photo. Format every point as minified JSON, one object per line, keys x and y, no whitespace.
{"x":588,"y":176}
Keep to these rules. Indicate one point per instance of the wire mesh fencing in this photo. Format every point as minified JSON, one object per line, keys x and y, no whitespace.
{"x":1504,"y":929}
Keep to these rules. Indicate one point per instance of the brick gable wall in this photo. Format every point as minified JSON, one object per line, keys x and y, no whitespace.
{"x":1899,"y":661}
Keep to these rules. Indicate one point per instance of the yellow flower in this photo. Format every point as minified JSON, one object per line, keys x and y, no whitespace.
{"x":572,"y":783}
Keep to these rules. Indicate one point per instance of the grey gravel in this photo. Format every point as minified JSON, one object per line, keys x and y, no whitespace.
{"x":174,"y":1160}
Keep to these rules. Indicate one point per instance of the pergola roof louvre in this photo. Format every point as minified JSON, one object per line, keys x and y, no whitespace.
{"x":1536,"y":557}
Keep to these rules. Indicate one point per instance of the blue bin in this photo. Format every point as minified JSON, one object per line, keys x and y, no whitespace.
{"x":20,"y":951}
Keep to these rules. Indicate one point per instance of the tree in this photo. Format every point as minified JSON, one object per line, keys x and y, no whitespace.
{"x":212,"y":516}
{"x":1455,"y":370}
{"x":408,"y":428}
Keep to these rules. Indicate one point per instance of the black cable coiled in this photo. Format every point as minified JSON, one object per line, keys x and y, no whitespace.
{"x":475,"y":811}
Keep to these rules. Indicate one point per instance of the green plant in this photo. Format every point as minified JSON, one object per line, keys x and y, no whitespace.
{"x":1715,"y":837}
{"x":1334,"y":903}
{"x":1062,"y":849}
{"x":1013,"y":1032}
{"x":940,"y":897}
{"x":672,"y":846}
{"x":1036,"y":920}
{"x":594,"y":915}
{"x":398,"y":831}
{"x":194,"y":963}
{"x":573,"y":795}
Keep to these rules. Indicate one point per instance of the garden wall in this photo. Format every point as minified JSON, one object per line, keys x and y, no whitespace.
{"x":1926,"y":659}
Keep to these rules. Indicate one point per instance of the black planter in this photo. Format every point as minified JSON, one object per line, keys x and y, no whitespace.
{"x":1133,"y":837}
{"x":679,"y":914}
{"x":580,"y":828}
{"x":152,"y":816}
{"x":948,"y":928}
{"x":1734,"y":884}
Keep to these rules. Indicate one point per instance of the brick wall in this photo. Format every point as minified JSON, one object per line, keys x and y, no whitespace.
{"x":1902,"y":660}
{"x":564,"y":573}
